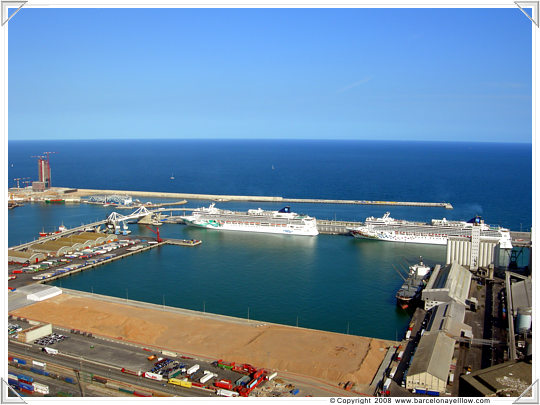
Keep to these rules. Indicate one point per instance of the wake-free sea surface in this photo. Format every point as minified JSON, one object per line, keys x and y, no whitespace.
{"x":327,"y":282}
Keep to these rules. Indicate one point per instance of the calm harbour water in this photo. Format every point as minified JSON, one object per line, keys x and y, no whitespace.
{"x":326,"y":282}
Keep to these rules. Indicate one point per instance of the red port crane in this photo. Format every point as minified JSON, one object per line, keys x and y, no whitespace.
{"x":159,"y":240}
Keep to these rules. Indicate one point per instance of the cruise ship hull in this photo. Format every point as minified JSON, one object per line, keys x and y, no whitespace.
{"x":388,"y":237}
{"x":282,"y":222}
{"x":437,"y":233}
{"x":251,"y":228}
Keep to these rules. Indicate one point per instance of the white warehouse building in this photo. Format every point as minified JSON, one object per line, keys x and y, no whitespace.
{"x":447,"y":283}
{"x":431,"y":365}
{"x":43,"y":294}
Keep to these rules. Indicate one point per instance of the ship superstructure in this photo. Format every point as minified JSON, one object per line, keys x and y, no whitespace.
{"x":412,"y":287}
{"x":254,"y":220}
{"x":434,"y":233}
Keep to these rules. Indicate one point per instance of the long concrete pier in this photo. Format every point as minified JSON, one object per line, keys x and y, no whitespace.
{"x":216,"y":197}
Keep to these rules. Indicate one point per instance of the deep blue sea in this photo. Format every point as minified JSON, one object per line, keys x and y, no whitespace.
{"x":326,"y":282}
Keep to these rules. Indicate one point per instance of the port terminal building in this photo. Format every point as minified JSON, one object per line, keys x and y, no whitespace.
{"x":447,"y":297}
{"x":447,"y":283}
{"x":431,"y":364}
{"x":72,"y":243}
{"x":17,"y":256}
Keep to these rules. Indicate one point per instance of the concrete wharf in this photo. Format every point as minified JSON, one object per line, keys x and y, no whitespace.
{"x":215,"y":197}
{"x":183,"y":242}
{"x":122,"y":255}
{"x":112,"y":259}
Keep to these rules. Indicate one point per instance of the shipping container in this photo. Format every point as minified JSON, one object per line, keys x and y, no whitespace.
{"x":69,"y":380}
{"x":192,"y":369}
{"x":242,"y":381}
{"x":125,"y":390}
{"x":252,"y":384}
{"x":137,"y":373}
{"x":41,"y":388}
{"x":272,"y":376}
{"x":225,"y":364}
{"x":174,"y":381}
{"x":13,"y":381}
{"x":19,"y":361}
{"x":13,"y":376}
{"x":226,"y":393}
{"x":205,"y":378}
{"x":258,"y":373}
{"x":38,"y":363}
{"x":434,"y":393}
{"x":27,"y":386}
{"x":225,"y":384}
{"x":25,"y":378}
{"x":175,"y":373}
{"x":420,"y":391}
{"x":295,"y":391}
{"x":186,"y":384}
{"x":153,"y":376}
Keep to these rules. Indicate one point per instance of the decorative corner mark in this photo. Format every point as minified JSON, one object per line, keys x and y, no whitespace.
{"x":533,"y":399}
{"x":5,"y":399}
{"x":533,"y":5}
{"x":5,"y":9}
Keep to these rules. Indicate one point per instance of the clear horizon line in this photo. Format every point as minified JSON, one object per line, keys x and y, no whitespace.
{"x":268,"y":139}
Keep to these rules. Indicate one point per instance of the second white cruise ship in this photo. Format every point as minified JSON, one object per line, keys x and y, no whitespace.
{"x":435,"y":233}
{"x":283,"y":221}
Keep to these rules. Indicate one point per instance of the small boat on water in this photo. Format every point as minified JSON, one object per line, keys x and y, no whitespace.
{"x":411,"y":290}
{"x":61,"y":228}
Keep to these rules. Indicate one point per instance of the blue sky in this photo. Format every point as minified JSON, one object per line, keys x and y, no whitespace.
{"x":409,"y":74}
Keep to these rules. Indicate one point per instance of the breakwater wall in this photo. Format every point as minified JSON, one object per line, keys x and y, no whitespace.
{"x":215,"y":197}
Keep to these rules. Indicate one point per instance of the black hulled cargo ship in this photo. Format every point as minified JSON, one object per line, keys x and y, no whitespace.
{"x":410,"y":291}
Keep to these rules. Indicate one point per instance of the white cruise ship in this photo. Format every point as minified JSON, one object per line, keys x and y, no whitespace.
{"x":283,"y":221}
{"x":435,"y":233}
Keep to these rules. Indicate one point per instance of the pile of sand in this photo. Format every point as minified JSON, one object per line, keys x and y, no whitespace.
{"x":325,"y":355}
